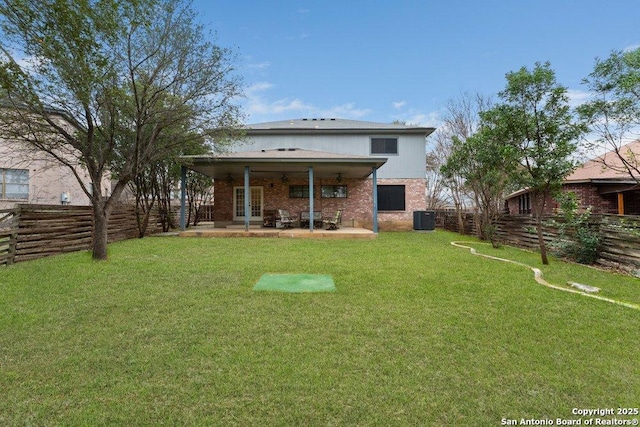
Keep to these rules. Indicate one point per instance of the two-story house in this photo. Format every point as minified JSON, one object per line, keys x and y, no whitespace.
{"x":373,"y":172}
{"x":28,"y":176}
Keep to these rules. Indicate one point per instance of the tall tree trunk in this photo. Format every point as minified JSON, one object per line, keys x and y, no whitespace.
{"x":461,"y":227}
{"x":540,"y":200}
{"x":541,"y":243}
{"x":100,"y":231}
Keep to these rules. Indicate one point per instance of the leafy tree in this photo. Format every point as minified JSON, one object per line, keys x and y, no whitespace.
{"x":614,"y":114}
{"x":198,"y":194}
{"x":435,"y":159}
{"x":460,"y":121}
{"x":535,"y":123}
{"x":127,"y":75}
{"x":483,"y":162}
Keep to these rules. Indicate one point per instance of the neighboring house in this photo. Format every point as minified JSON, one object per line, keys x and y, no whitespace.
{"x":604,"y":189}
{"x":339,"y":162}
{"x":29,"y":177}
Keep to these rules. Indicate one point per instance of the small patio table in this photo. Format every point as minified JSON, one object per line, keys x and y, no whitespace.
{"x":304,"y":219}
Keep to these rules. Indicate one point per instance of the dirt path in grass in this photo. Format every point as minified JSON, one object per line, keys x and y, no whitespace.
{"x":537,"y":275}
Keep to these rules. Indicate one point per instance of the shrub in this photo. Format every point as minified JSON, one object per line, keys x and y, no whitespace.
{"x":577,"y":239}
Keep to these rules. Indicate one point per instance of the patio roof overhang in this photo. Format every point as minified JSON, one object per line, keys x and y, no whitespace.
{"x":292,"y":162}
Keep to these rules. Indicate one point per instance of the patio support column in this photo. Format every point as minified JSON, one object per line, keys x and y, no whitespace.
{"x":375,"y":199}
{"x":183,"y":198}
{"x":311,"y":199}
{"x":247,"y":208}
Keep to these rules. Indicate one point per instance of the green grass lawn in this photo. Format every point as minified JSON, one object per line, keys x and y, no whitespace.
{"x":418,"y":332}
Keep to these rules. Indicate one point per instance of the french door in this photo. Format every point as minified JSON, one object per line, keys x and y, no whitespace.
{"x":256,"y":199}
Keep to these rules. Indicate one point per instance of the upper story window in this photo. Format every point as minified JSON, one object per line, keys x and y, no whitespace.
{"x":14,"y":184}
{"x":384,"y":145}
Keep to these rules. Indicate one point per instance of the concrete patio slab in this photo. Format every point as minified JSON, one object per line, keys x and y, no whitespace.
{"x":291,"y":233}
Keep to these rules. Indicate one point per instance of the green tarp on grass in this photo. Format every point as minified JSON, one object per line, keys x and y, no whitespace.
{"x":295,"y":283}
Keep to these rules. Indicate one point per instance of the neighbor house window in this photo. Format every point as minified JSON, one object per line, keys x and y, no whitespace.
{"x":524,"y":204}
{"x":333,"y":191}
{"x":14,"y":184}
{"x":298,"y":191}
{"x":391,"y":198}
{"x":384,"y":145}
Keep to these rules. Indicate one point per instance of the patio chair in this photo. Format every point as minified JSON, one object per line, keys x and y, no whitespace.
{"x":334,"y":222}
{"x":285,"y":220}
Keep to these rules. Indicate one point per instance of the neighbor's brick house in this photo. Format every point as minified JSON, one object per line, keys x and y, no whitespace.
{"x":604,"y":189}
{"x":342,"y":160}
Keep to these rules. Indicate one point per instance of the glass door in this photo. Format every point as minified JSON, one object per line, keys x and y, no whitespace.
{"x":256,"y":199}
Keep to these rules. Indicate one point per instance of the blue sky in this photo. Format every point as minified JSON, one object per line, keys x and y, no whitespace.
{"x":403,"y":60}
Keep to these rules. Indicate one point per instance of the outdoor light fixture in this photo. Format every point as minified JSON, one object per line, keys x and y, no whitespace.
{"x":339,"y":178}
{"x":284,"y":178}
{"x":229,"y":178}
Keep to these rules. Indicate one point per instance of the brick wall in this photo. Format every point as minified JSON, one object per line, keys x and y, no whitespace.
{"x":357,"y":206}
{"x":589,"y":196}
{"x":415,"y":200}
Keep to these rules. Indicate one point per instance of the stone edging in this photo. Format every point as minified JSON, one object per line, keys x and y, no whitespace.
{"x":537,"y":274}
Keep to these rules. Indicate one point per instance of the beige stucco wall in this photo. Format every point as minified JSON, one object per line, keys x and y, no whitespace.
{"x":47,"y":179}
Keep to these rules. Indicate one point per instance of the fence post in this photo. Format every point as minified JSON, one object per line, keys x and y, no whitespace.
{"x":13,"y":239}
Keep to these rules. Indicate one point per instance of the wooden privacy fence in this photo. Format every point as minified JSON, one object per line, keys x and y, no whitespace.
{"x":449,"y":221}
{"x":8,"y":235}
{"x":620,"y":242}
{"x":619,"y":235}
{"x":34,"y":231}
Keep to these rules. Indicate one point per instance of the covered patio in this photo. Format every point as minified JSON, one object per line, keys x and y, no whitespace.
{"x":249,"y":186}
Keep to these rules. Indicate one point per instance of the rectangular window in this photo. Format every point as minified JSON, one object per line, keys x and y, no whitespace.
{"x":298,"y":191}
{"x":14,"y":184}
{"x":524,"y":204}
{"x":384,"y":145}
{"x":391,"y":198}
{"x":333,"y":191}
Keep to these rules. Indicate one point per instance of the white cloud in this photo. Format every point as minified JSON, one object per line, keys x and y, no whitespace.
{"x":413,"y":117}
{"x":257,"y":87}
{"x":260,"y":65}
{"x":260,"y":107}
{"x":344,"y":111}
{"x":578,"y":97}
{"x":631,"y":48}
